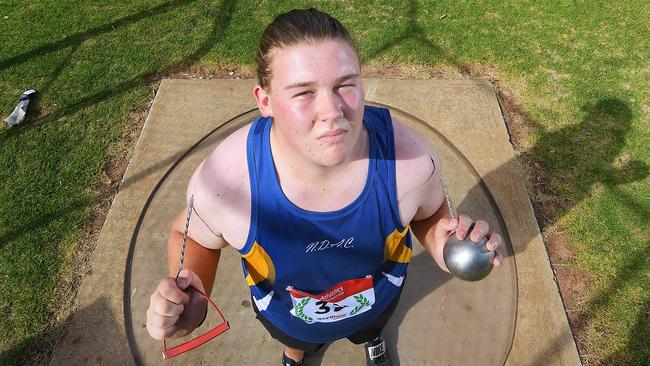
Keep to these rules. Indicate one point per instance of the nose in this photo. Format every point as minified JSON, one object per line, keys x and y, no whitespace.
{"x":330,"y":107}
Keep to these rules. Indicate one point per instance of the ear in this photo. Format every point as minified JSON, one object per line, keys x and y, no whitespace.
{"x":263,"y":100}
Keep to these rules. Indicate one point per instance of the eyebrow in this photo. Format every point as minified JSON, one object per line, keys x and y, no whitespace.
{"x":309,"y":83}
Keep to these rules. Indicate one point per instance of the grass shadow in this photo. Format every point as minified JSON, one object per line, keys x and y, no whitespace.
{"x":77,"y":39}
{"x":220,"y":24}
{"x":218,"y":29}
{"x":638,"y":349}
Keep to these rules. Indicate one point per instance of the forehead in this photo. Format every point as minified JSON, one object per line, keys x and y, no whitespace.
{"x":319,"y":61}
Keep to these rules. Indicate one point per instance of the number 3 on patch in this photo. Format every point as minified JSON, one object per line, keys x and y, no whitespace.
{"x":341,"y":301}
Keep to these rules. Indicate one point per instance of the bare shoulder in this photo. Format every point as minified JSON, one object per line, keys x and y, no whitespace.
{"x":226,"y":165}
{"x":413,"y":155}
{"x":221,"y":191}
{"x":418,"y":187}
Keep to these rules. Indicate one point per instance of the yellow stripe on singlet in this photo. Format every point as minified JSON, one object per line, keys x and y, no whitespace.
{"x":258,"y":265}
{"x":395,"y":249}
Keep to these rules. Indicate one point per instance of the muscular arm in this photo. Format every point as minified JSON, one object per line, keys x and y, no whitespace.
{"x":175,"y":309}
{"x":425,"y":231}
{"x":203,"y":261}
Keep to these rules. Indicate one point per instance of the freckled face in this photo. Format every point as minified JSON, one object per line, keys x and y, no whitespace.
{"x":317,"y":100}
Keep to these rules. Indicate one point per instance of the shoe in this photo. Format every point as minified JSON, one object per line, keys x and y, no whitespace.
{"x":286,"y":361}
{"x":376,"y":353}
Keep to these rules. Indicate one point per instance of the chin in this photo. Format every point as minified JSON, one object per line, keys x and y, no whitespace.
{"x":332,"y":160}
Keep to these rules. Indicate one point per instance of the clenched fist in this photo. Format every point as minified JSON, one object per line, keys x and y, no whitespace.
{"x":175,"y":307}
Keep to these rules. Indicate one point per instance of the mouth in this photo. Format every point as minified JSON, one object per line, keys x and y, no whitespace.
{"x":332,"y":136}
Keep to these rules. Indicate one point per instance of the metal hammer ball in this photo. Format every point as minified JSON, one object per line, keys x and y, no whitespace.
{"x":466,"y":259}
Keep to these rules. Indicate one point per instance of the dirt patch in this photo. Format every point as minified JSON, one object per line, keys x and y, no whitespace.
{"x":559,"y":251}
{"x":410,"y":72}
{"x":573,"y":287}
{"x":571,"y":280}
{"x":546,"y":204}
{"x":192,"y":72}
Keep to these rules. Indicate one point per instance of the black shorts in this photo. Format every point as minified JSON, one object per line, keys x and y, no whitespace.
{"x":364,"y":335}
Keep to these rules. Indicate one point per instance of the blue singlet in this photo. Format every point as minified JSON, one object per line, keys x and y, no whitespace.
{"x":313,"y":251}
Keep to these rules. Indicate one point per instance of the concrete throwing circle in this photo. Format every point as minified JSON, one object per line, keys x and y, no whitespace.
{"x":439,"y":319}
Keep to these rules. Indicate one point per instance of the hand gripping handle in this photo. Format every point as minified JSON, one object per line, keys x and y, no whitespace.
{"x":196,"y":342}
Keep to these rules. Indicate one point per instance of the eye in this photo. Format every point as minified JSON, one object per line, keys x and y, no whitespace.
{"x":303,"y":94}
{"x":346,"y":86}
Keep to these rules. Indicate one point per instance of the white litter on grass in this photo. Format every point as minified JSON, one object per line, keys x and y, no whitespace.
{"x":18,"y":115}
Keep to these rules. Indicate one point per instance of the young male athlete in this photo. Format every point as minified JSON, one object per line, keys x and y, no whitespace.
{"x":319,"y":195}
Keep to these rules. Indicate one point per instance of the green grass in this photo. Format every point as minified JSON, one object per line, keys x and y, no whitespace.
{"x":579,"y":71}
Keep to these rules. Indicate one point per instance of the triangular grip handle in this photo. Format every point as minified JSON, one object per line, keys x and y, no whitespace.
{"x":191,"y":344}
